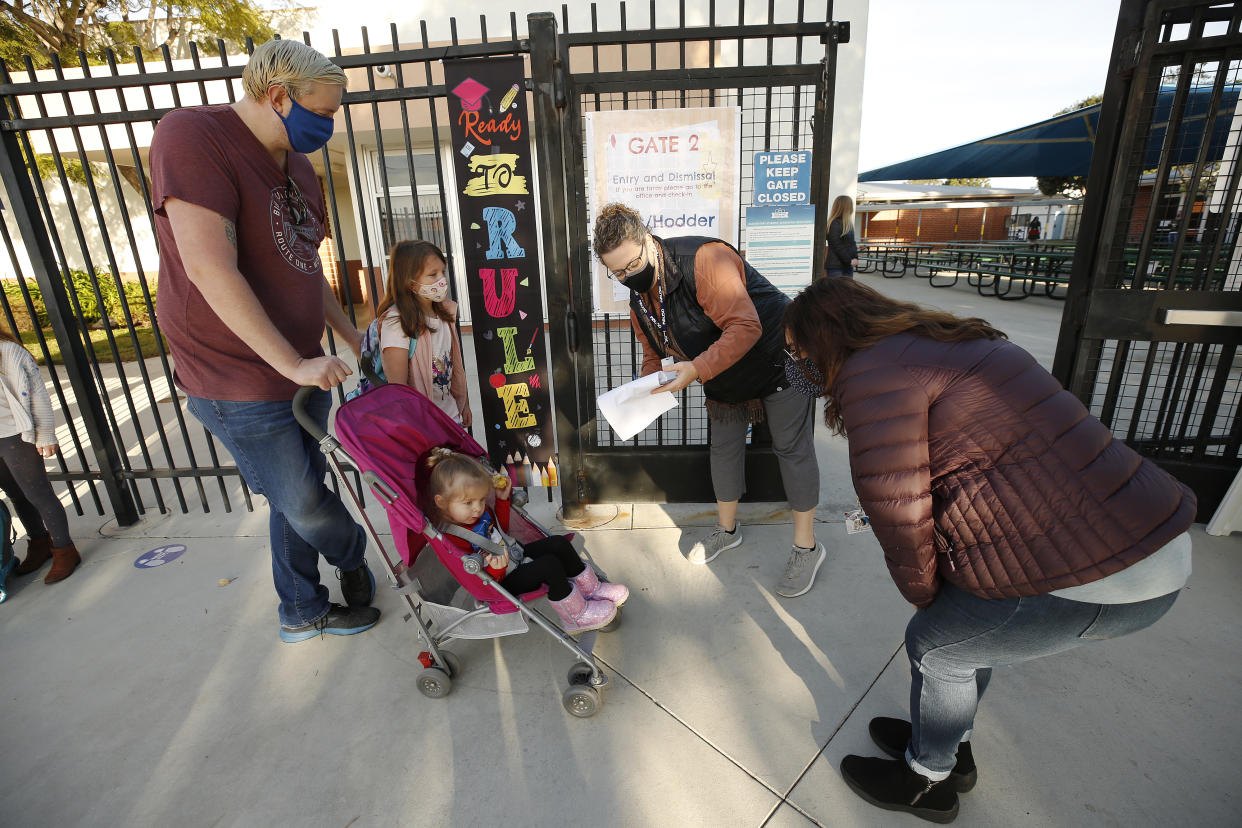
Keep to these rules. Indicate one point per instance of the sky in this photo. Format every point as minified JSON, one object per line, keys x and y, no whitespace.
{"x":939,"y":74}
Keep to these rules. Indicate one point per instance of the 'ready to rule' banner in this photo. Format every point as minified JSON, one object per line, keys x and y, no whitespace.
{"x":491,"y":158}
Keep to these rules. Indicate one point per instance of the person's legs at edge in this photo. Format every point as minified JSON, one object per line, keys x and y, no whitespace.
{"x":279,"y":460}
{"x":39,"y":542}
{"x":791,"y":421}
{"x":728,"y":464}
{"x":26,"y":469}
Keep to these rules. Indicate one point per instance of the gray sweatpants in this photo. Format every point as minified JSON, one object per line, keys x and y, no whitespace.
{"x":23,"y":477}
{"x":791,"y":419}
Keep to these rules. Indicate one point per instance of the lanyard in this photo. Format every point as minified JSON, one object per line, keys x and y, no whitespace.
{"x":662,"y":324}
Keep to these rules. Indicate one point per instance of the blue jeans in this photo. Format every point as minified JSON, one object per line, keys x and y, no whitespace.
{"x":954,"y":644}
{"x":306,"y":519}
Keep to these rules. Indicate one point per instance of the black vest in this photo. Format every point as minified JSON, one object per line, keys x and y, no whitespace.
{"x":761,"y":370}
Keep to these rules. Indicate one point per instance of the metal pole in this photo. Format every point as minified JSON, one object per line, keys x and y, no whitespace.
{"x":21,"y":199}
{"x":547,"y":77}
{"x":821,"y":151}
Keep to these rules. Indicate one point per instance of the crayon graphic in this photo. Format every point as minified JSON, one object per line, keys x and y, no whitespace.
{"x":508,"y":98}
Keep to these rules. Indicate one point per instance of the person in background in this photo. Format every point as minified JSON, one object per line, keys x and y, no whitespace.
{"x":239,"y":216}
{"x":1014,"y":521}
{"x":694,"y":300}
{"x":842,"y":255}
{"x":1033,"y":229}
{"x":27,"y":435}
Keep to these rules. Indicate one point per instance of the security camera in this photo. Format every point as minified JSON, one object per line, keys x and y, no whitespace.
{"x":383,"y":71}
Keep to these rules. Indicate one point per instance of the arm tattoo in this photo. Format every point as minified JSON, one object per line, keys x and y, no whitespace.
{"x":230,"y":233}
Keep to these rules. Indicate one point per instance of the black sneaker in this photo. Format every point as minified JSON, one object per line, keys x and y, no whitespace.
{"x":891,"y":784}
{"x":357,"y":586}
{"x":893,"y":735}
{"x":339,"y":621}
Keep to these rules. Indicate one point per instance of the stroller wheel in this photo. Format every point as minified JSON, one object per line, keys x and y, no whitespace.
{"x":580,"y":673}
{"x":434,"y":683}
{"x":452,"y":662}
{"x":613,"y":624}
{"x":582,"y":701}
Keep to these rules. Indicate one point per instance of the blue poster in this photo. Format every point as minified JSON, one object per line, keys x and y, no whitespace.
{"x":782,"y":178}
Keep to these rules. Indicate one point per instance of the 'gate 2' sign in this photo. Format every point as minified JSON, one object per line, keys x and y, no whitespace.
{"x":782,"y":178}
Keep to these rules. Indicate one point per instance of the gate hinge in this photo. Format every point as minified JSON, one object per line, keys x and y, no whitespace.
{"x":838,"y":32}
{"x":558,"y":84}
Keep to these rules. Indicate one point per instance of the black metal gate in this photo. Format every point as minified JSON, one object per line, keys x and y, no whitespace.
{"x":1150,"y":335}
{"x":785,"y":106}
{"x":74,"y":169}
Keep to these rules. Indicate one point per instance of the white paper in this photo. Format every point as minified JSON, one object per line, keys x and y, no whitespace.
{"x":632,"y":407}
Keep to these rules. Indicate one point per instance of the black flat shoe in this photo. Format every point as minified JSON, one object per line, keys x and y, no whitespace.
{"x":893,"y":736}
{"x":891,"y":784}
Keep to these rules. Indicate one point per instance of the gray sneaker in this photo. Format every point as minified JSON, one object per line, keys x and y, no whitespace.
{"x":800,"y":571}
{"x":706,"y":550}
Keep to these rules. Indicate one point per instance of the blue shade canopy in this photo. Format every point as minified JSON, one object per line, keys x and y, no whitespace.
{"x":1062,"y":146}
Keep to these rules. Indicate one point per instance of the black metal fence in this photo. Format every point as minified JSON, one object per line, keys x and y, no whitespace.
{"x":82,"y":252}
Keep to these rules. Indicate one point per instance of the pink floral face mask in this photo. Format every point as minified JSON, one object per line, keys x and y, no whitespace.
{"x":436,"y":291}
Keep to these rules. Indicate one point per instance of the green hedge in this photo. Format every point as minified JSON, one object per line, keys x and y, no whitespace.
{"x":132,"y":296}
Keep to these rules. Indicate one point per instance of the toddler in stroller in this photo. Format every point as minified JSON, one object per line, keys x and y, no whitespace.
{"x":458,"y":491}
{"x":389,"y":434}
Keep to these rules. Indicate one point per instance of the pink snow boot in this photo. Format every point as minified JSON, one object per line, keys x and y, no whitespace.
{"x":579,"y":614}
{"x":588,"y":582}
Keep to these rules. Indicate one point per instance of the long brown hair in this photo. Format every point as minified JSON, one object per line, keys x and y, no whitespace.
{"x":406,"y":261}
{"x":8,"y":335}
{"x":834,"y":317}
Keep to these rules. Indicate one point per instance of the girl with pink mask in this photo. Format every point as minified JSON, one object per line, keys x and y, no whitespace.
{"x":417,"y":333}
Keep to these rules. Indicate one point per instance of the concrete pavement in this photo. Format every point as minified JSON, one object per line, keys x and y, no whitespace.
{"x":156,"y":696}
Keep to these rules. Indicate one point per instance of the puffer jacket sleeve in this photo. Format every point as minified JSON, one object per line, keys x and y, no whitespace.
{"x":885,"y":410}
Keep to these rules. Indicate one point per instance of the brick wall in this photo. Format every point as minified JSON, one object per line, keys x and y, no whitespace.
{"x":936,"y":225}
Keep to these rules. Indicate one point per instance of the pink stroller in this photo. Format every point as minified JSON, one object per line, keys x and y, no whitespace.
{"x":387,"y":433}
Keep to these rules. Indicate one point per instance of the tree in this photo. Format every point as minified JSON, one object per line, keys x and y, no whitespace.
{"x":42,"y":28}
{"x":953,"y":182}
{"x":1073,"y":186}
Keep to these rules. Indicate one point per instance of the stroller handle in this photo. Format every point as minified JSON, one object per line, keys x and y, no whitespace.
{"x":305,"y":420}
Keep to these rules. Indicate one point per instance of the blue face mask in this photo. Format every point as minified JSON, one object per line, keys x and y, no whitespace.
{"x":307,"y":131}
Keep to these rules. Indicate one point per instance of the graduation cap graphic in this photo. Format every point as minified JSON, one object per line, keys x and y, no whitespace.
{"x":471,"y":93}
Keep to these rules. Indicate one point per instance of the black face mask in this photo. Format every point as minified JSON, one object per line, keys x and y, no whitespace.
{"x":805,"y":377}
{"x":640,"y":281}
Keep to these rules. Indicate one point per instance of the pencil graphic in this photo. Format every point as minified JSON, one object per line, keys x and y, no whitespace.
{"x":544,"y":480}
{"x":534,"y":334}
{"x":508,"y":98}
{"x":552,"y":478}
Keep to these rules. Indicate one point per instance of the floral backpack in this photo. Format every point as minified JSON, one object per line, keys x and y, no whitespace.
{"x":370,"y":364}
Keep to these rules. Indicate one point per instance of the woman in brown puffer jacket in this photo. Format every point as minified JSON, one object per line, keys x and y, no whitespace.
{"x":1009,"y":516}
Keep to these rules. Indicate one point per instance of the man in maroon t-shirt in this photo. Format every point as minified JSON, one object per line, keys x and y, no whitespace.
{"x":243,"y":302}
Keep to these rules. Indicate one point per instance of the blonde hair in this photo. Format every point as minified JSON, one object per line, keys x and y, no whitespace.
{"x":290,"y":64}
{"x":452,"y":473}
{"x":842,"y":208}
{"x":617,"y":223}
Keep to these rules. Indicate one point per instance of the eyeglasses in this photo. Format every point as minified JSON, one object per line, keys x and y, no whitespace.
{"x":619,"y":275}
{"x":297,"y":207}
{"x":789,"y":353}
